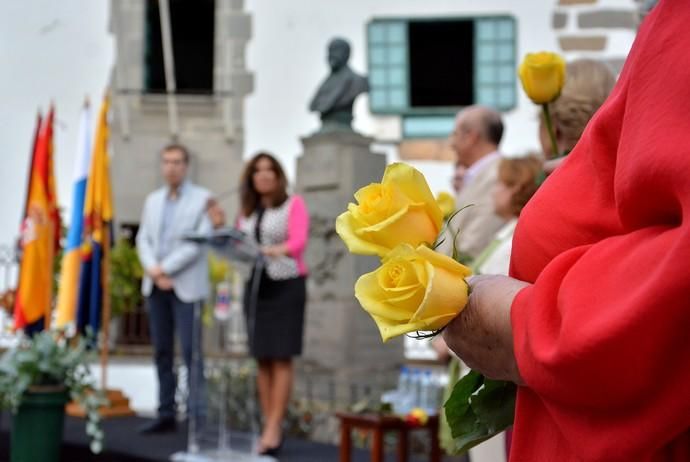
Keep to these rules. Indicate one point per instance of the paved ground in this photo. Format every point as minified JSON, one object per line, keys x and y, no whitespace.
{"x":124,"y":444}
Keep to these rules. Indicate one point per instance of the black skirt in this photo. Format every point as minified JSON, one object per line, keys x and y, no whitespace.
{"x":279,"y":317}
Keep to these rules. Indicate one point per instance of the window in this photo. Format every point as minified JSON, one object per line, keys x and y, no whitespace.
{"x":388,"y":66}
{"x":495,"y":65}
{"x":192,"y":24}
{"x":441,"y":63}
{"x":427,"y":69}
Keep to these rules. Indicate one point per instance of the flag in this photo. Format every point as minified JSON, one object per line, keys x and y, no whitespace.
{"x":71,"y":261}
{"x":40,"y":234}
{"x":98,"y":216}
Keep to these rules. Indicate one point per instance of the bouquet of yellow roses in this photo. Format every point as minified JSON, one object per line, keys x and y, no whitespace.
{"x":400,"y":221}
{"x":418,"y":289}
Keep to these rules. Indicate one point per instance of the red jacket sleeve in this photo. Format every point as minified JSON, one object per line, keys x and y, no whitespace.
{"x":601,"y":337}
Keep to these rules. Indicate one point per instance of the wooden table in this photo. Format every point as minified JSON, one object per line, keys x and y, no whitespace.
{"x":378,"y":425}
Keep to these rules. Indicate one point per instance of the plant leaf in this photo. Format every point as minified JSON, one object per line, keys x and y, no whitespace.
{"x":494,"y":405}
{"x":478,"y":409}
{"x":459,"y":412}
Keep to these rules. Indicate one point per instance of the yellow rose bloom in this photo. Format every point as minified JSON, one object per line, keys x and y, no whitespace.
{"x":400,"y":209}
{"x":542,"y":75}
{"x":413,"y":290}
{"x":446,"y":202}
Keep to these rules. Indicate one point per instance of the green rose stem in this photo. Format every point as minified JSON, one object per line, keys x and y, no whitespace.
{"x":549,"y":127}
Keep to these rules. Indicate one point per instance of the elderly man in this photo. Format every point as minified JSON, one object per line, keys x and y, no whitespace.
{"x":175,"y":280}
{"x":593,"y":322}
{"x":475,"y":139}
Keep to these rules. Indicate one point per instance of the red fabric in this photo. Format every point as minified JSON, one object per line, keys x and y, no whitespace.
{"x":601,"y":337}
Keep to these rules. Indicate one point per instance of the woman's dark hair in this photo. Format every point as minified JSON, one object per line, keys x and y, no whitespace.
{"x":249,"y":196}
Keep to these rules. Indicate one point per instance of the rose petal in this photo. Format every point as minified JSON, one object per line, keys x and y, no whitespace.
{"x":345,"y":226}
{"x":414,"y":185}
{"x":446,"y":295}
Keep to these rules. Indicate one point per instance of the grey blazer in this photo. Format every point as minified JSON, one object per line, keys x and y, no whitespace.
{"x":187,"y":262}
{"x":477,"y":224}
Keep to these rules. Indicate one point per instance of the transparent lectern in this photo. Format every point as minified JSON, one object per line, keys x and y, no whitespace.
{"x":223,"y":425}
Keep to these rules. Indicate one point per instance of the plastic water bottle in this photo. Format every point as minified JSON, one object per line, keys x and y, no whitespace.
{"x":427,"y":393}
{"x":415,"y":389}
{"x":400,"y":397}
{"x":403,"y":381}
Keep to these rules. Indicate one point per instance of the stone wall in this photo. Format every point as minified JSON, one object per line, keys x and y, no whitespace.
{"x":596,"y":28}
{"x":339,"y":336}
{"x":210,"y":125}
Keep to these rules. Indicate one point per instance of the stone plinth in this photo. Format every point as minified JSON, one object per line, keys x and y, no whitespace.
{"x":339,"y":334}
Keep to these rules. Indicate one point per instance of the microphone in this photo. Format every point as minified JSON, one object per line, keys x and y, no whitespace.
{"x":229,"y":241}
{"x":227,"y":194}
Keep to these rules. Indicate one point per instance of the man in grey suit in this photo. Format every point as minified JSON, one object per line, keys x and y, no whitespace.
{"x":475,"y":139}
{"x":175,"y":280}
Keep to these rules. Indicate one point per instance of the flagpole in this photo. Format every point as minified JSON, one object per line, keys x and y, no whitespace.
{"x":168,"y":64}
{"x":56,"y":232}
{"x":39,"y":121}
{"x":105,"y":350}
{"x":98,"y":206}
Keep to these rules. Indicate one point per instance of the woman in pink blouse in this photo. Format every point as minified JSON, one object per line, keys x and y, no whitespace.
{"x":279,"y":224}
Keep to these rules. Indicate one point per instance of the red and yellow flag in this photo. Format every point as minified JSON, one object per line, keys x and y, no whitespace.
{"x":39,"y":233}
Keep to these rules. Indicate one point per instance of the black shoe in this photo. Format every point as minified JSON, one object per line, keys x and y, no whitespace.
{"x":272,"y":451}
{"x":159,"y":425}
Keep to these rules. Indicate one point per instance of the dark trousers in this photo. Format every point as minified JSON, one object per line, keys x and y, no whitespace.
{"x":168,"y":313}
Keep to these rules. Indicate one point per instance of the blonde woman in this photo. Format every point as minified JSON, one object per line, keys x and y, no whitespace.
{"x":588,"y":83}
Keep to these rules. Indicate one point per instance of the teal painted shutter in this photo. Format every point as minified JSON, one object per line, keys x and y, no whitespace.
{"x":388,"y":64}
{"x":495,"y":65}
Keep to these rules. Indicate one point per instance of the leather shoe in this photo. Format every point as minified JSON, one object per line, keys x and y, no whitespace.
{"x":272,"y":451}
{"x":159,"y":425}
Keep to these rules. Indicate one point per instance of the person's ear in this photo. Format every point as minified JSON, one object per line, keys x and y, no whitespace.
{"x":476,"y":136}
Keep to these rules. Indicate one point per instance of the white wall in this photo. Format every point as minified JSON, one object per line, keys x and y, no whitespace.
{"x":287,"y":54}
{"x":49,"y":51}
{"x":62,"y":51}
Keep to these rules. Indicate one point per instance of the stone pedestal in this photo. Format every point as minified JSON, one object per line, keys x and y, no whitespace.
{"x":339,"y":335}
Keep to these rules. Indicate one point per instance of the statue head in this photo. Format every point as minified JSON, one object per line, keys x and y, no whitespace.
{"x":338,"y":54}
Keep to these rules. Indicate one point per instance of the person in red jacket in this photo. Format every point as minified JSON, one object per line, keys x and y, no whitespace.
{"x":593,"y":322}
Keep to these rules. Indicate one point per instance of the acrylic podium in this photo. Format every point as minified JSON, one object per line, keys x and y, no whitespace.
{"x":213,"y":435}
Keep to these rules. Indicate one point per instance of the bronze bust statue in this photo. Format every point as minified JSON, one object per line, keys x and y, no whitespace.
{"x":336,"y":95}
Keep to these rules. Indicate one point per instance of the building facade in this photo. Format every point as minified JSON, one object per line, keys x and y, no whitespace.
{"x":205,"y":111}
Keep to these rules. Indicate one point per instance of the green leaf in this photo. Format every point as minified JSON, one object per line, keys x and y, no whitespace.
{"x":48,"y":358}
{"x":494,"y":405}
{"x":459,"y":412}
{"x":478,"y":409}
{"x":468,"y":440}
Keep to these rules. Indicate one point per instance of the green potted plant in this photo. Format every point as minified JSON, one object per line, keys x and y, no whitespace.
{"x":125,"y":284}
{"x":37,"y":378}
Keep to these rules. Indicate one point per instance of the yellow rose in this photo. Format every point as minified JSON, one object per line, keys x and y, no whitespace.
{"x":446,"y":202}
{"x":400,"y":209}
{"x":542,"y":76}
{"x":413,"y":289}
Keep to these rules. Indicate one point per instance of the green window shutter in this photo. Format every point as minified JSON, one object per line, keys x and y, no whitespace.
{"x":388,"y":66}
{"x":428,"y":126}
{"x":495,"y":66}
